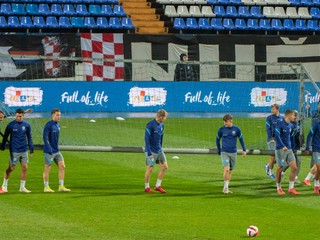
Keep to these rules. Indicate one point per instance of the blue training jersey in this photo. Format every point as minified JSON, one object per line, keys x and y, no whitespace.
{"x":314,"y":137}
{"x":153,"y":137}
{"x":229,"y":137}
{"x":284,"y":135}
{"x":51,"y":135}
{"x":20,"y":137}
{"x":271,"y":123}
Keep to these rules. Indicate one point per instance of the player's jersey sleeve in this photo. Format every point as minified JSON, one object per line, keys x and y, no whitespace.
{"x":147,"y":139}
{"x":269,"y":127}
{"x":218,"y":138}
{"x":29,"y":137}
{"x":46,"y":133}
{"x":277,"y":135}
{"x":6,"y":135}
{"x":241,"y":140}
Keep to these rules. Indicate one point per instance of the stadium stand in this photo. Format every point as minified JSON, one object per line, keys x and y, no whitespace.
{"x":161,"y":16}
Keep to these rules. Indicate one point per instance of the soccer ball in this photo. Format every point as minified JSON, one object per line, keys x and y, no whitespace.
{"x":252,"y":231}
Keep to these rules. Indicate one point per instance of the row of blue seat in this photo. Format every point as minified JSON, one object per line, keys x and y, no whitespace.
{"x":65,"y":22}
{"x":64,"y":1}
{"x":249,"y":24}
{"x":57,"y":9}
{"x":290,"y":2}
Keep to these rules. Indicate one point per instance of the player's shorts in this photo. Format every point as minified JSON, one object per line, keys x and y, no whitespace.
{"x":271,"y":146}
{"x":284,"y":157}
{"x":316,"y":157}
{"x":56,"y":157}
{"x":229,"y":159}
{"x":21,"y":157}
{"x":157,"y":158}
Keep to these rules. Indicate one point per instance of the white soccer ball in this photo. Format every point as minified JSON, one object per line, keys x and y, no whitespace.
{"x":252,"y":231}
{"x":120,"y":118}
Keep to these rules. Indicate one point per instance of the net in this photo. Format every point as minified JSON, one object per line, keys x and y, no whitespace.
{"x":190,"y":124}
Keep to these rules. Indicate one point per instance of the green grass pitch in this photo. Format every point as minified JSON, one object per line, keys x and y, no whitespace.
{"x":107,"y":201}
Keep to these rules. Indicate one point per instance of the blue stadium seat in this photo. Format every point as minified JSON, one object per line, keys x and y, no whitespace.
{"x":82,"y":10}
{"x":76,"y":1}
{"x":228,"y":24}
{"x":106,"y":10}
{"x":294,"y":2}
{"x":56,"y":9}
{"x":289,"y":25}
{"x":236,"y":2}
{"x":178,"y":23}
{"x":240,"y":24}
{"x":204,"y":24}
{"x":26,"y":22}
{"x":306,"y":3}
{"x":216,"y":24}
{"x":253,"y":24}
{"x":313,"y":25}
{"x":25,"y":1}
{"x":113,"y":2}
{"x":3,"y":22}
{"x":114,"y":23}
{"x":126,"y":23}
{"x":224,"y":2}
{"x":64,"y":1}
{"x":256,"y":12}
{"x":243,"y":11}
{"x":88,"y":1}
{"x":315,"y":12}
{"x":192,"y":24}
{"x":95,"y":10}
{"x":219,"y":11}
{"x":118,"y":11}
{"x":32,"y":9}
{"x":77,"y":22}
{"x":301,"y":25}
{"x":13,"y":22}
{"x":264,"y":24}
{"x":39,"y":22}
{"x":212,"y":2}
{"x":6,"y":9}
{"x":52,"y":22}
{"x":68,"y":10}
{"x":51,"y":1}
{"x":316,"y":3}
{"x":102,"y":1}
{"x":64,"y":22}
{"x":231,"y":11}
{"x":18,"y":9}
{"x":90,"y":23}
{"x":276,"y":24}
{"x":44,"y":9}
{"x":102,"y":22}
{"x":37,"y":1}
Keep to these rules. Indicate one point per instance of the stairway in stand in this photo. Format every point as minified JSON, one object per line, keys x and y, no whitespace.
{"x":144,"y":17}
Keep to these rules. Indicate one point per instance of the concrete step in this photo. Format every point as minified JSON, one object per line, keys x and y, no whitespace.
{"x":149,"y":17}
{"x":136,"y":4}
{"x":152,"y":30}
{"x":148,"y":23}
{"x":142,"y":11}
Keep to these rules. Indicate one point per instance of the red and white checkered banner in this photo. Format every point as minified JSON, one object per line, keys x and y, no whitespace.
{"x":101,"y":46}
{"x":51,"y":46}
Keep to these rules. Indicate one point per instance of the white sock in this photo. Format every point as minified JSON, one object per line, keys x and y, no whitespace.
{"x":309,"y":176}
{"x":146,"y":185}
{"x":158,"y":184}
{"x":46,"y":184}
{"x":226,"y":185}
{"x":61,"y":182}
{"x":270,"y":171}
{"x":316,"y":183}
{"x":22,"y":184}
{"x":278,"y":186}
{"x":291,"y":184}
{"x":5,"y":182}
